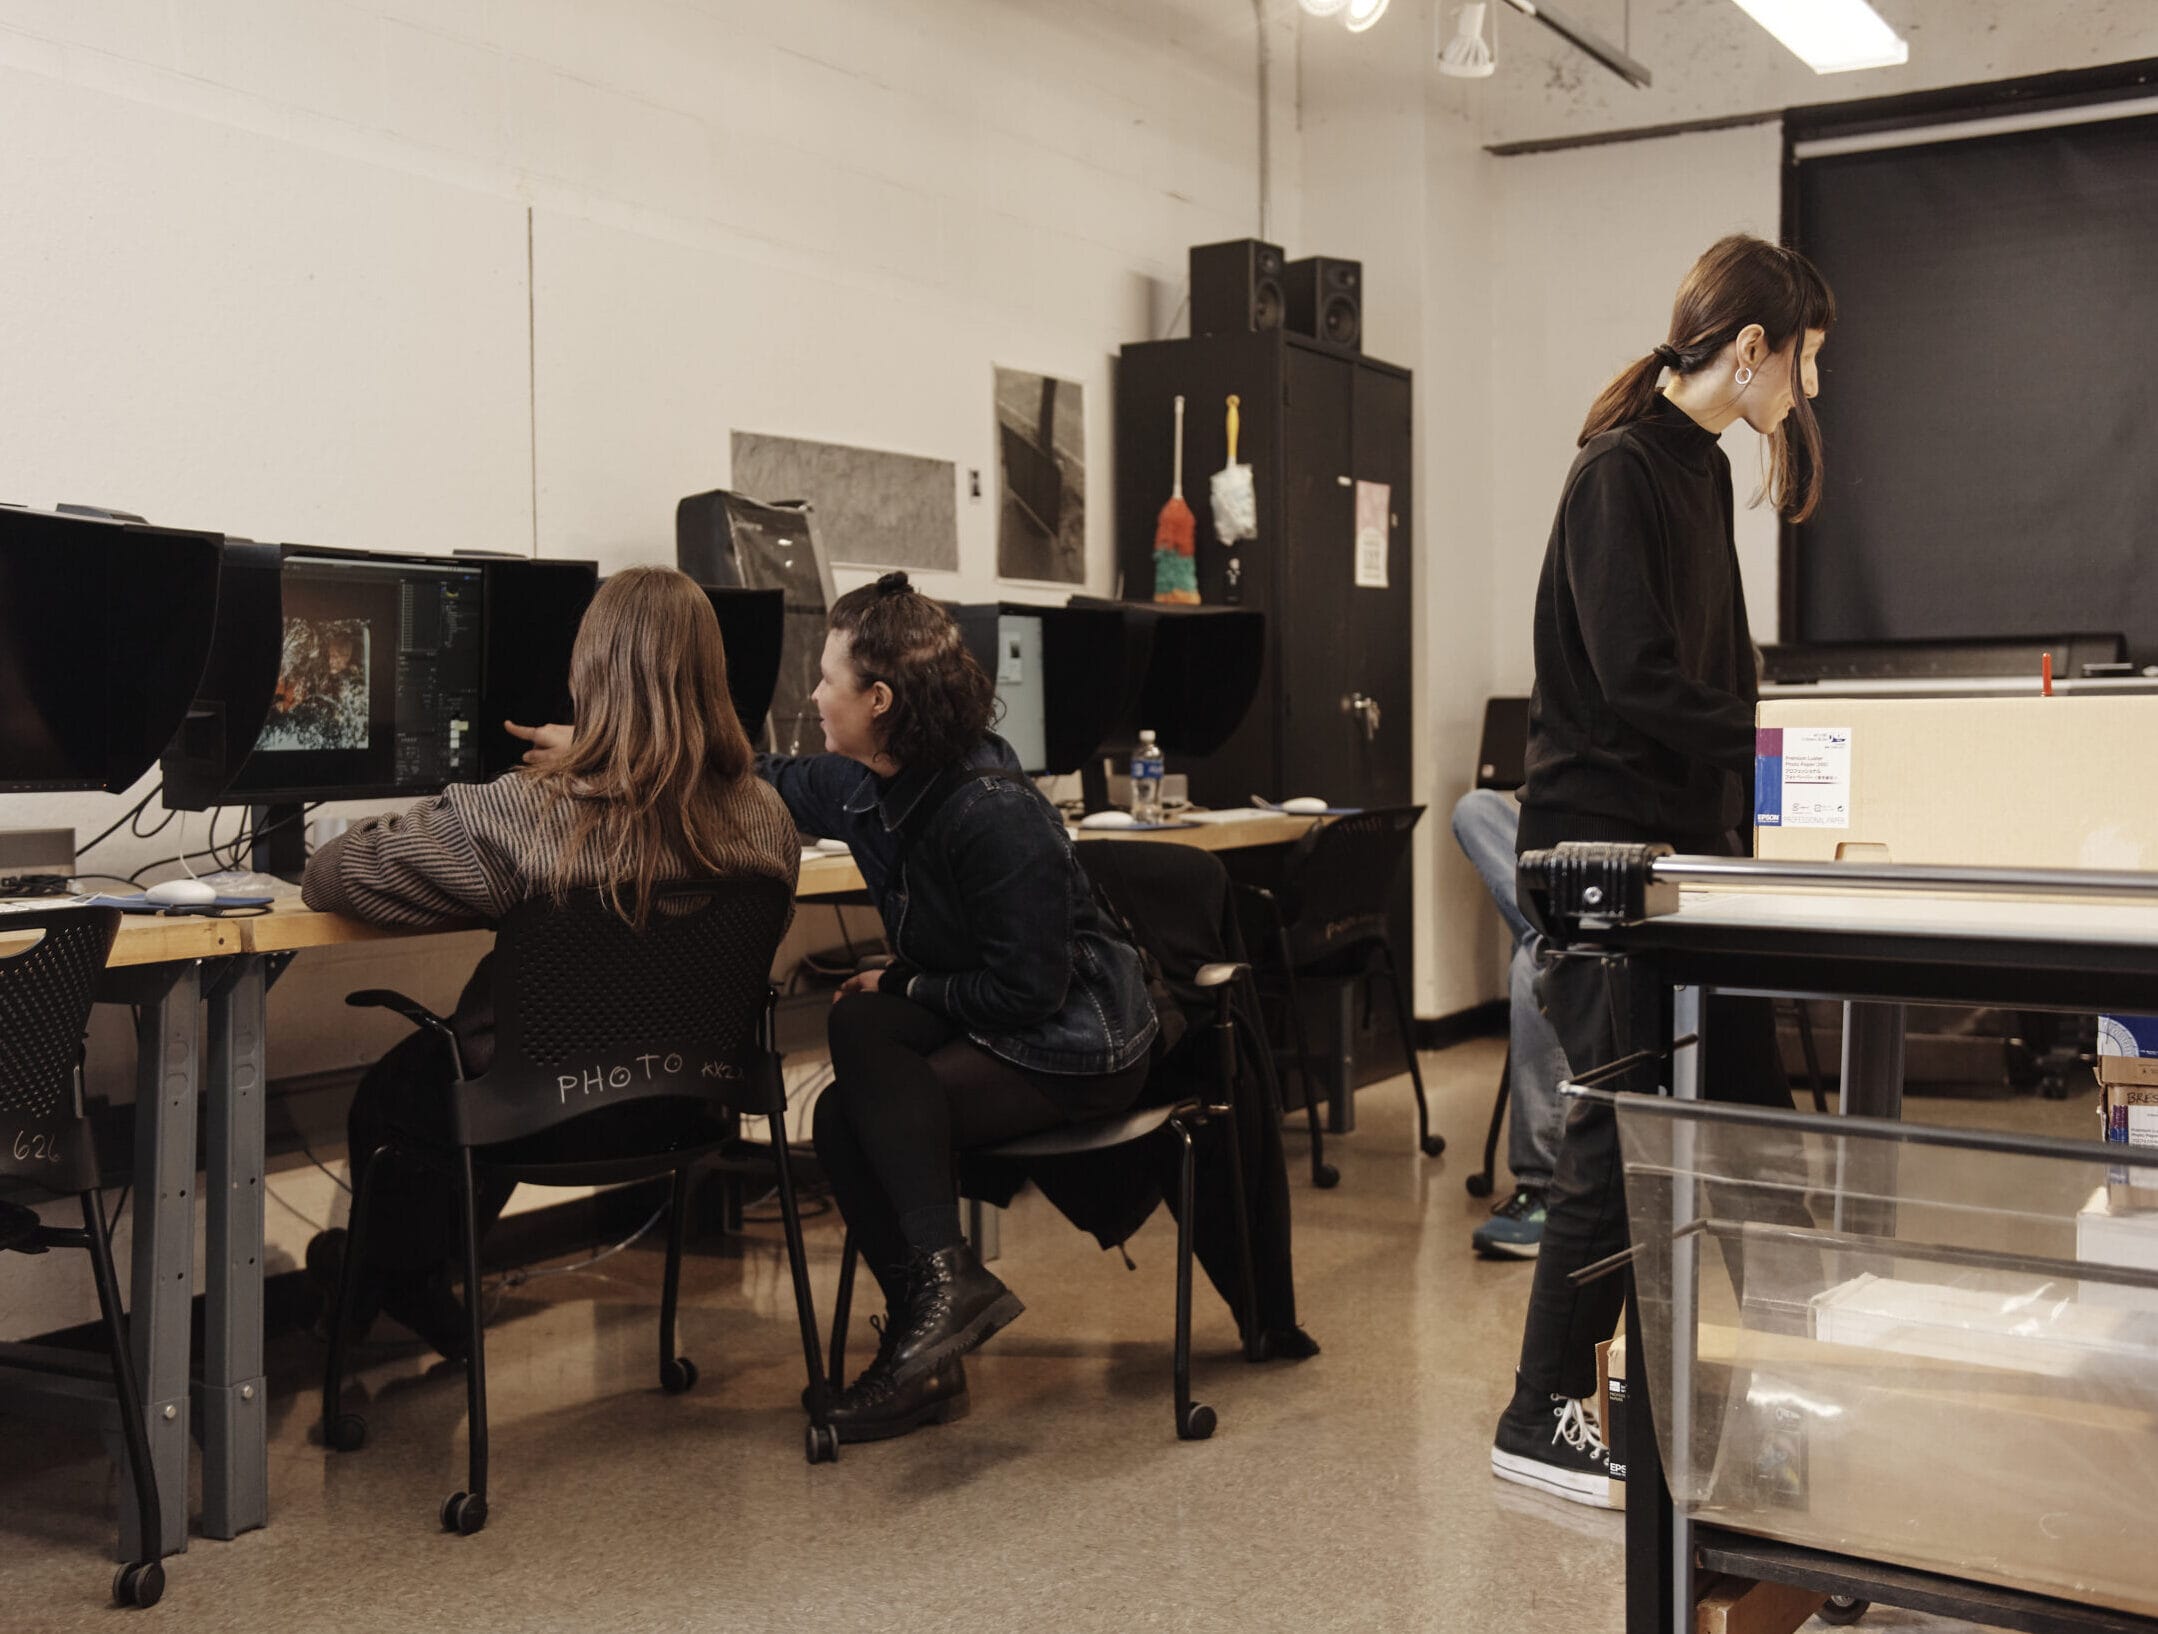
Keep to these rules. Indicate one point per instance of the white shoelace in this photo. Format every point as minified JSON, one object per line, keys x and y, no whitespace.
{"x":1578,"y":1427}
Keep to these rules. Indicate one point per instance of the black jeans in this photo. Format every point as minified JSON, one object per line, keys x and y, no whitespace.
{"x":1602,"y":1011}
{"x":910,"y":1091}
{"x":413,"y":1228}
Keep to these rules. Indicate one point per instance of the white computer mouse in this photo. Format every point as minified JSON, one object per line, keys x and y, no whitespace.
{"x":833,"y":848}
{"x":181,"y":893}
{"x":1305,"y":805}
{"x":1108,"y":819}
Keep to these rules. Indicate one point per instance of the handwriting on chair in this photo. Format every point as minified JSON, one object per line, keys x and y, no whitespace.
{"x":637,"y":1070}
{"x":31,"y":1147}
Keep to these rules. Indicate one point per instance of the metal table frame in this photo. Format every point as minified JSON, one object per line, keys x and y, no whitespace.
{"x":1876,"y":973}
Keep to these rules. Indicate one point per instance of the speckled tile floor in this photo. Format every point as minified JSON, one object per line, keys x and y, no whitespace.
{"x":1347,"y":1492}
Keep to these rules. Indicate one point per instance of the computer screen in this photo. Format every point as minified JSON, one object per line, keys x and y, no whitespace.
{"x":378,"y":685}
{"x":104,"y":629}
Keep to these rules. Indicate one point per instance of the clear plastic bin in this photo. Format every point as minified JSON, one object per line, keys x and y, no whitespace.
{"x":1933,"y":1348}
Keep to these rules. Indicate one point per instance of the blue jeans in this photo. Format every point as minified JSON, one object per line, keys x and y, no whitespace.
{"x":1484,"y":825}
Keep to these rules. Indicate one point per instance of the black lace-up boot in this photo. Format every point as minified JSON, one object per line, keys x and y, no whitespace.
{"x":952,"y":1305}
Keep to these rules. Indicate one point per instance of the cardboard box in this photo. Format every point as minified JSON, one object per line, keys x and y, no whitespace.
{"x":2128,"y":1077}
{"x":1985,"y":782}
{"x":1611,"y":1395}
{"x":1738,"y":1605}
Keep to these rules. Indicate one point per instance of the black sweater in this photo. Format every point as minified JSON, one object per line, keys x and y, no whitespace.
{"x":1643,"y":712}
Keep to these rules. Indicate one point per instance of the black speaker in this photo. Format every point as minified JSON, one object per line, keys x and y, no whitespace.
{"x":1235,"y":287}
{"x":1326,"y":300}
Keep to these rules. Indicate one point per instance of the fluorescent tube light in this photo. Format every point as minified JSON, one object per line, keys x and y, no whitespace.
{"x":1830,"y":36}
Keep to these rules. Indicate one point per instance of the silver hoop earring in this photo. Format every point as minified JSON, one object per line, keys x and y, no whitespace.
{"x":1745,"y":375}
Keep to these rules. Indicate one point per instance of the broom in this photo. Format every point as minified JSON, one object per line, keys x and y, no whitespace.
{"x":1176,"y":570}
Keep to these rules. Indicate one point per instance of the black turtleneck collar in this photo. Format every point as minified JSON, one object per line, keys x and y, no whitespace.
{"x":1688,"y":441}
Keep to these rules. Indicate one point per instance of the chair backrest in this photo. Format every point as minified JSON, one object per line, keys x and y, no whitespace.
{"x":1176,"y":900}
{"x":46,"y":986}
{"x":1502,"y":755}
{"x":1337,"y":880}
{"x":591,"y":1012}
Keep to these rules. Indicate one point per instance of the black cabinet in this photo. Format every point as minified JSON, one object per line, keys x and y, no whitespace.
{"x":1334,"y":715}
{"x":1316,"y":423}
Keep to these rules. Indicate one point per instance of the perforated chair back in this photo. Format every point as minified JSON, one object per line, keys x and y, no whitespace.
{"x":591,"y":1012}
{"x":1336,"y":881}
{"x":50,"y":960}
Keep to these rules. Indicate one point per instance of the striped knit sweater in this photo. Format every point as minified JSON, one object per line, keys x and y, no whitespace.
{"x":476,"y":850}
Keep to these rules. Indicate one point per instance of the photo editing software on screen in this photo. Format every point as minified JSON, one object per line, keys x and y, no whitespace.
{"x":378,"y":689}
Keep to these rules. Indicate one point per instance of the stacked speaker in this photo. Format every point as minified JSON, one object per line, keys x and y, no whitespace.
{"x":1246,"y":286}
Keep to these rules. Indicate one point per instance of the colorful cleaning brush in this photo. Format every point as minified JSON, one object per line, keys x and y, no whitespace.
{"x":1176,"y":566}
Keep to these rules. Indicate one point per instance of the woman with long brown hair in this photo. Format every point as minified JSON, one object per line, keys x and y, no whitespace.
{"x":659,"y":785}
{"x":1641,"y":729}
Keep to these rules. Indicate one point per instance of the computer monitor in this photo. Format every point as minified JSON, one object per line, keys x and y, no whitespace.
{"x":733,"y":541}
{"x":1007,"y":640}
{"x":104,"y":631}
{"x":378,"y":680}
{"x":1189,"y":674}
{"x":753,"y":628}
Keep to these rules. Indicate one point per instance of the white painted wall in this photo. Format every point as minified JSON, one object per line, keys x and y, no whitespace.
{"x":266,"y":267}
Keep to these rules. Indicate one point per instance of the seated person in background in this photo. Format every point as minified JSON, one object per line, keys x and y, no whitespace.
{"x":1014,"y":1006}
{"x":657,"y":787}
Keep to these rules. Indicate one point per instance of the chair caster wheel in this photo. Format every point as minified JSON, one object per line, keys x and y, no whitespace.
{"x":1479,"y":1185}
{"x":141,"y":1584}
{"x":1325,"y":1176}
{"x":347,"y":1432}
{"x":464,"y":1513}
{"x":1842,"y":1609}
{"x":1433,"y":1145}
{"x":820,"y":1444}
{"x":678,"y":1375}
{"x":1196,"y":1424}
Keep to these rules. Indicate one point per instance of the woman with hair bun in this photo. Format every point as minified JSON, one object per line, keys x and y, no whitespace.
{"x":1013,"y":1005}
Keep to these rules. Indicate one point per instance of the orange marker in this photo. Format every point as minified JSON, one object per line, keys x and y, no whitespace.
{"x":2045,"y":675}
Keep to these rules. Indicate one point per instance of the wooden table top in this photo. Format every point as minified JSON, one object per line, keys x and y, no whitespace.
{"x":290,"y":926}
{"x":153,"y":939}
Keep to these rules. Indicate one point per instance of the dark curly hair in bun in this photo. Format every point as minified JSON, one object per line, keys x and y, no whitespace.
{"x":943,"y":703}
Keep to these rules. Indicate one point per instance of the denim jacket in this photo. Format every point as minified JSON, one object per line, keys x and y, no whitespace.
{"x":986,"y":907}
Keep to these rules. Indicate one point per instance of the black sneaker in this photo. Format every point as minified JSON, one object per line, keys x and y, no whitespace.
{"x":1555,"y":1445}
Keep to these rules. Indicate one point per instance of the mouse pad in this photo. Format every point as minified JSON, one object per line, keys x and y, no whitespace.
{"x":142,"y":904}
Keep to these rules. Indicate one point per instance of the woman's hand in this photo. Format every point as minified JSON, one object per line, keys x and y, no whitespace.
{"x":549,"y":743}
{"x":862,"y":981}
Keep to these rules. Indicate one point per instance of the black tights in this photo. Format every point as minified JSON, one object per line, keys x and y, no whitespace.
{"x":909,"y":1092}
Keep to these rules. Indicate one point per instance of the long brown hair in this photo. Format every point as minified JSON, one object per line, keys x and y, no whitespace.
{"x":658,"y":746}
{"x":942,"y":699}
{"x":1739,"y":280}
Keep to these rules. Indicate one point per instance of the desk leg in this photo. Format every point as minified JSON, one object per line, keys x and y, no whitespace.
{"x":1873,"y":1088}
{"x":1689,"y":1011}
{"x":164,"y":1238}
{"x":1650,"y":1516}
{"x":235,"y":1449}
{"x":984,"y":1222}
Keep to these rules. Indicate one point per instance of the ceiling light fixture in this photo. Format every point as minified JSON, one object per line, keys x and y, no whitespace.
{"x":1586,"y":41}
{"x":1322,"y":8}
{"x":1831,"y":36}
{"x":1465,"y":56}
{"x":1363,"y":13}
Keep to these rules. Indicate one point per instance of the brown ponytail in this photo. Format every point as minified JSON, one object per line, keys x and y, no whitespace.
{"x":1739,"y":280}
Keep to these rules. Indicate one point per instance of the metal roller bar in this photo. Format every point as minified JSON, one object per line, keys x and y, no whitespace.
{"x":1889,"y":876}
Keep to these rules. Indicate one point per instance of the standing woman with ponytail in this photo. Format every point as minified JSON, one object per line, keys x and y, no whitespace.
{"x":1641,"y":729}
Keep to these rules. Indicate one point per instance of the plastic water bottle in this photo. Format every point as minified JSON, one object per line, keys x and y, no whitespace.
{"x":1146,"y":774}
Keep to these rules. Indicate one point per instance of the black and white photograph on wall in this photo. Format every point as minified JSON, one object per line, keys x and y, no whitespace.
{"x":1041,"y":478}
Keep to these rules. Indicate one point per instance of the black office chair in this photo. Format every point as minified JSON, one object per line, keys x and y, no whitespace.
{"x":592,"y":1015}
{"x":45,"y":994}
{"x":1327,"y":920}
{"x":1191,"y":1086}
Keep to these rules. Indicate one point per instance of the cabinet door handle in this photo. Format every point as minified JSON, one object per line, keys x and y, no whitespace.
{"x":1367,"y":712}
